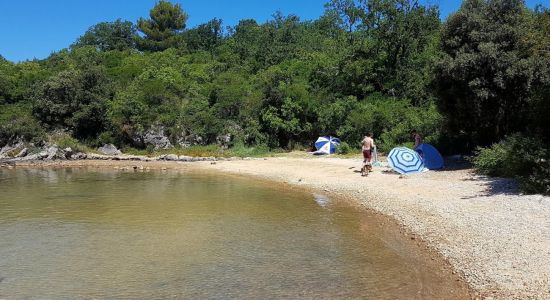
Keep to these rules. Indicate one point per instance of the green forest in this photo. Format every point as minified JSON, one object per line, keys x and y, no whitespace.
{"x":476,"y":83}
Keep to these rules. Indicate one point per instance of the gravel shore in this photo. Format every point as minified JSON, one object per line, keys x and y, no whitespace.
{"x":498,"y":239}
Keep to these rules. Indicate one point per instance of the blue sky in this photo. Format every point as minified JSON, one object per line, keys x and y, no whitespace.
{"x":35,"y":28}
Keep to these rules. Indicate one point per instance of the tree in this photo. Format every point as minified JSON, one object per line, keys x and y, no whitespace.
{"x":540,"y":101}
{"x":245,"y":41}
{"x":6,"y":80}
{"x":75,"y":100}
{"x":487,"y":73}
{"x":347,"y":12}
{"x":106,"y":36}
{"x":206,"y":36}
{"x":163,"y":29}
{"x":389,"y":44}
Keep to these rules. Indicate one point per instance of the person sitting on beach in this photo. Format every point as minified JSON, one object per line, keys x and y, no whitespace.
{"x":416,"y":138}
{"x":367,"y":147}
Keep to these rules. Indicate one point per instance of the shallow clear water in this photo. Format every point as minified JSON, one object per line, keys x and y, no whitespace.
{"x":84,"y":233}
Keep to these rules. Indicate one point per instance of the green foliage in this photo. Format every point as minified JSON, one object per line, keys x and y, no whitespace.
{"x":208,"y":151}
{"x":391,"y":48}
{"x":487,"y":73}
{"x":75,"y":100}
{"x":539,"y":179}
{"x":391,"y":121}
{"x":517,"y":156}
{"x":344,"y":148}
{"x":16,"y":123}
{"x":64,"y":140}
{"x":206,"y":37}
{"x":106,"y":36}
{"x":164,"y":29}
{"x":365,"y":65}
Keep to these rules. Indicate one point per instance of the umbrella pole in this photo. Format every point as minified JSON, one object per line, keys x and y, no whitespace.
{"x":376,"y":163}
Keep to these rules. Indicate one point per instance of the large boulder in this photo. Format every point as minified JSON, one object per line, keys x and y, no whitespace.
{"x":155,"y":137}
{"x":11,"y":150}
{"x":54,"y":153}
{"x":223,"y":140}
{"x":109,"y":149}
{"x":186,"y":141}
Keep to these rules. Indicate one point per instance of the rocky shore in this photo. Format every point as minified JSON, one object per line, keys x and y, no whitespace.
{"x":11,"y":154}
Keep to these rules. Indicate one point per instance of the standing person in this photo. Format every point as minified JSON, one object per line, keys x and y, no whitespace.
{"x":416,"y":138}
{"x":367,"y":147}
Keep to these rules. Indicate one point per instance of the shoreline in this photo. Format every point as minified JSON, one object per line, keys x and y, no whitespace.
{"x":496,"y":238}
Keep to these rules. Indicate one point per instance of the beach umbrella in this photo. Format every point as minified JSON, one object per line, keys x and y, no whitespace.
{"x":405,"y":160}
{"x":326,"y":145}
{"x":430,"y":156}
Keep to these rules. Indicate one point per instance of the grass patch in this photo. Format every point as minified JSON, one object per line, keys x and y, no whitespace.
{"x":63,"y":140}
{"x":207,"y":151}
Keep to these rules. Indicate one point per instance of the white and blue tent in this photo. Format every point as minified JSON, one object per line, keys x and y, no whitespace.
{"x":326,"y":145}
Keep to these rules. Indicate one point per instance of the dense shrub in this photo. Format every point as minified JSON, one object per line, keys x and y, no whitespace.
{"x":64,"y":140}
{"x":517,"y":156}
{"x":75,"y":100}
{"x":344,"y":148}
{"x":17,"y":124}
{"x":391,"y":121}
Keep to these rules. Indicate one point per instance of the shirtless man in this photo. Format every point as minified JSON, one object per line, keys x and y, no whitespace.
{"x":367,"y":147}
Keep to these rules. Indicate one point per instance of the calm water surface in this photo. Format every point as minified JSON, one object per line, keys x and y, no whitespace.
{"x":84,"y":233}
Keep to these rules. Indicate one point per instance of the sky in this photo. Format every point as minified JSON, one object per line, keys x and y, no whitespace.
{"x":36,"y":28}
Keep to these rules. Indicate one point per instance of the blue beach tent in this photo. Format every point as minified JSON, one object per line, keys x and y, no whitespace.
{"x":431,"y":157}
{"x":326,"y":145}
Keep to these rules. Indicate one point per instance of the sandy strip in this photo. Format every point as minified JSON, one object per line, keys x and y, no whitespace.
{"x":498,"y":239}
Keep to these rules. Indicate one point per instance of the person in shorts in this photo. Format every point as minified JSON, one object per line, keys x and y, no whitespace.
{"x":367,"y":145}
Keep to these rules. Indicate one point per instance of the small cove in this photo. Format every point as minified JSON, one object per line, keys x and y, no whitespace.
{"x":90,"y":233}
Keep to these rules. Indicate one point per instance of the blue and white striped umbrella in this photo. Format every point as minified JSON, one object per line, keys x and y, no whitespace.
{"x":405,"y":161}
{"x":326,"y":145}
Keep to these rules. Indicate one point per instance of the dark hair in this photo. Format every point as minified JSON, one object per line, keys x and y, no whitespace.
{"x":369,"y":134}
{"x":413,"y":131}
